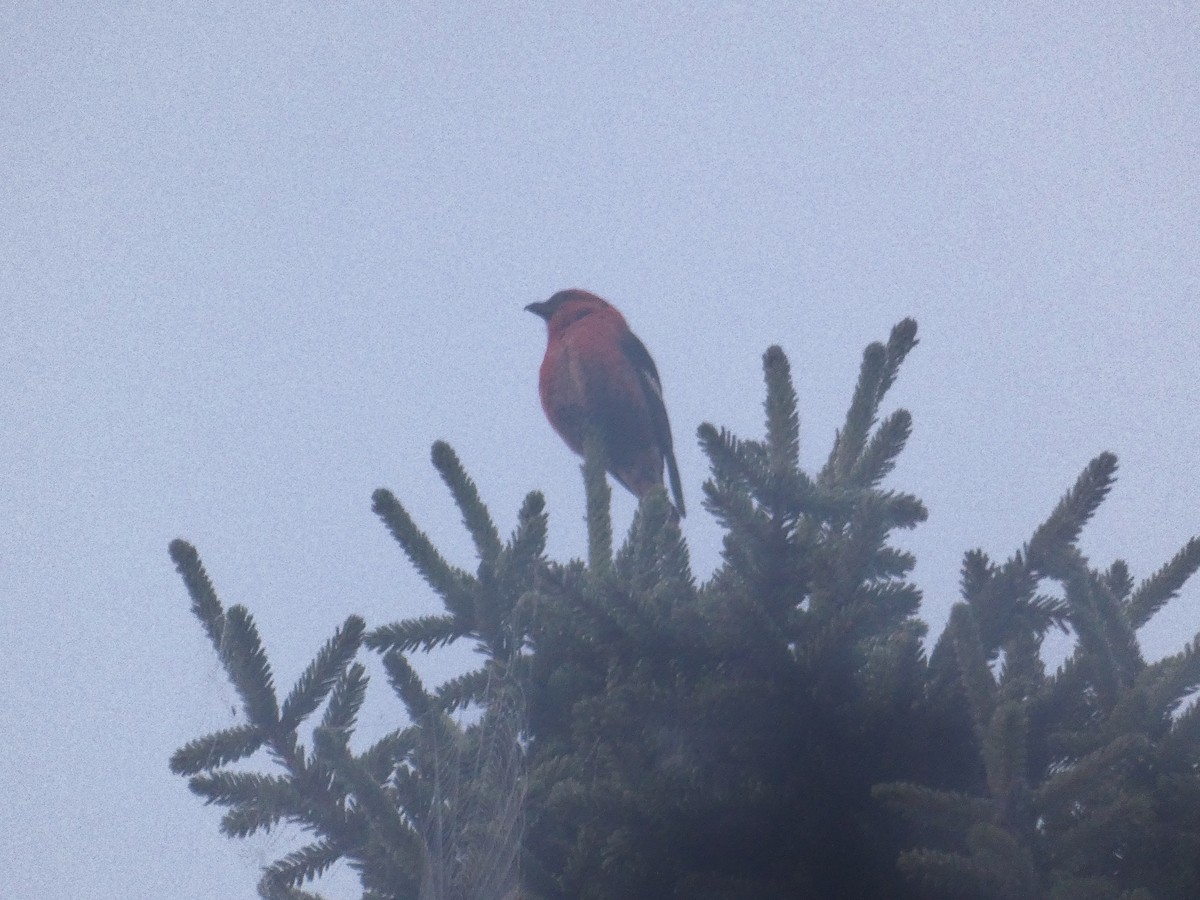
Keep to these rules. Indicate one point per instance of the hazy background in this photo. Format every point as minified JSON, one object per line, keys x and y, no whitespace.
{"x":255,"y":258}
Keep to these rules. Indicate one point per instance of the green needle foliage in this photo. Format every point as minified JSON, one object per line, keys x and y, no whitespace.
{"x":1090,"y":782}
{"x":776,"y":732}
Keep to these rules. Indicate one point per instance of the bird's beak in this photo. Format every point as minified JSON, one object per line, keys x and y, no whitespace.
{"x":538,"y":309}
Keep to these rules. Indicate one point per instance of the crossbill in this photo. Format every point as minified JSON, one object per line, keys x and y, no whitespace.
{"x":598,"y":376}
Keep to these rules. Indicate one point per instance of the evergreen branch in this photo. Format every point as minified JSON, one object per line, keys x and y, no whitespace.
{"x":746,"y":466}
{"x":608,"y":613}
{"x":892,"y":663}
{"x":1059,"y":795}
{"x":1061,"y":530}
{"x":783,"y":420}
{"x":900,"y":510}
{"x":217,"y":749}
{"x":1044,"y":610}
{"x":855,"y":547}
{"x":1004,"y":749}
{"x":1093,"y":652}
{"x":503,"y":583}
{"x":795,"y":494}
{"x":493,"y":635}
{"x":271,"y":889}
{"x":901,"y":341}
{"x":994,"y":594}
{"x":976,"y":577}
{"x":349,"y":692}
{"x":464,"y":690}
{"x":639,"y":561}
{"x":407,"y":685}
{"x":879,"y":457}
{"x":893,"y":601}
{"x":1067,"y":693}
{"x":1118,"y":580}
{"x":449,"y":583}
{"x":226,"y":788}
{"x":257,"y":802}
{"x":1121,"y":635}
{"x":1164,"y":585}
{"x":528,"y":541}
{"x":205,"y":605}
{"x":889,"y":562}
{"x":947,"y":812}
{"x":1113,"y":815}
{"x":746,"y":527}
{"x":1023,"y":671}
{"x":319,"y":678}
{"x":474,"y":839}
{"x":1010,"y":863}
{"x":382,"y":757}
{"x":245,"y":662}
{"x":731,"y":459}
{"x":1106,"y":639}
{"x":849,"y":442}
{"x":978,"y":876}
{"x":972,"y":664}
{"x":417,"y":795}
{"x":1169,"y":681}
{"x":939,"y":873}
{"x":673,"y":566}
{"x":1184,"y":737}
{"x":1003,"y":601}
{"x":422,"y":632}
{"x":476,"y":518}
{"x":309,"y":862}
{"x":880,"y":366}
{"x":599,"y":506}
{"x":384,"y":878}
{"x":397,"y":838}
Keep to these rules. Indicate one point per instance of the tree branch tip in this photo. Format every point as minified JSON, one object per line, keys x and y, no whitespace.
{"x":874,"y":352}
{"x":906,"y":328}
{"x":774,"y":357}
{"x":382,"y":498}
{"x":182,"y":552}
{"x":442,"y":454}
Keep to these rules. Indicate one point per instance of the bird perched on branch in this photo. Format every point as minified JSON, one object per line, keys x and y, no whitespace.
{"x":597,"y":375}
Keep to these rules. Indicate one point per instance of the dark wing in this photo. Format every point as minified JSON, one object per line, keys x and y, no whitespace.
{"x":647,"y":372}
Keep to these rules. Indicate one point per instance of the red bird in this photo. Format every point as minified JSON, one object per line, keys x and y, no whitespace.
{"x":597,"y":374}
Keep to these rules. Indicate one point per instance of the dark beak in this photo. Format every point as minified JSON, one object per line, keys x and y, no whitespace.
{"x":539,"y":309}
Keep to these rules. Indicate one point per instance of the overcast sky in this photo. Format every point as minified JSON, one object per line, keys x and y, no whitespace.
{"x":256,"y":258}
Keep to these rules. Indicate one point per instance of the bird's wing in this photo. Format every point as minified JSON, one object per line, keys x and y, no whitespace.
{"x":647,"y":372}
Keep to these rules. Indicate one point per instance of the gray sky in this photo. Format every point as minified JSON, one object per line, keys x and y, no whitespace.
{"x":253,"y":261}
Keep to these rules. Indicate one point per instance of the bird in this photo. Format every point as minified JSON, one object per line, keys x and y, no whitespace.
{"x":597,"y":375}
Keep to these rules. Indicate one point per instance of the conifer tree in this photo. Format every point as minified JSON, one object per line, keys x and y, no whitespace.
{"x":775,"y":732}
{"x":433,"y":809}
{"x":1090,"y":784}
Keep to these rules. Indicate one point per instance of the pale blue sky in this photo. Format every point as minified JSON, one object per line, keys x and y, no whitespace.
{"x":255,"y":259}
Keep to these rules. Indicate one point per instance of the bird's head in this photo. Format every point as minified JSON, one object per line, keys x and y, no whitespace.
{"x":568,"y":306}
